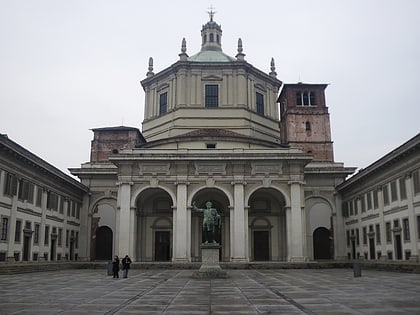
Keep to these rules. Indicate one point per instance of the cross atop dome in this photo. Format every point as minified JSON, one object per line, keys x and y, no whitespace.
{"x":211,"y":13}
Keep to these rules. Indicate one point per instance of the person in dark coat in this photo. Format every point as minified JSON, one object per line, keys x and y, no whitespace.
{"x":126,"y":261}
{"x":116,"y":267}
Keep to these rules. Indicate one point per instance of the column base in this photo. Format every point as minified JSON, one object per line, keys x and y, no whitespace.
{"x":181,"y":260}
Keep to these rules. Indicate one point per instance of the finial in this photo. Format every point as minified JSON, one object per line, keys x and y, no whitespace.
{"x":273,"y":72}
{"x":183,"y":55}
{"x":240,"y":55}
{"x":211,"y":13}
{"x":150,"y":72}
{"x":240,"y":49}
{"x":184,"y":46}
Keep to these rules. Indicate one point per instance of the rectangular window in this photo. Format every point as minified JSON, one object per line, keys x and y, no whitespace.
{"x":38,"y":202}
{"x":67,"y":238}
{"x":351,"y":207}
{"x":403,"y":189}
{"x":305,"y":98}
{"x":163,"y":103}
{"x":312,"y":99}
{"x":36,"y":234}
{"x":356,"y":206}
{"x":394,"y":193}
{"x":10,"y":185}
{"x":47,"y":233}
{"x":211,"y":95}
{"x":364,"y":235}
{"x":363,"y":203}
{"x":26,"y":191}
{"x":69,"y":202}
{"x":61,"y":208}
{"x":18,"y":231}
{"x":388,"y":232}
{"x":385,"y":194}
{"x":260,"y":103}
{"x":416,"y":182}
{"x":396,"y":224}
{"x":378,"y":234}
{"x":369,"y":200}
{"x":299,"y":98}
{"x":78,"y":211}
{"x":375,"y":199}
{"x":76,"y":240}
{"x":4,"y":228}
{"x":52,"y":201}
{"x":406,"y":229}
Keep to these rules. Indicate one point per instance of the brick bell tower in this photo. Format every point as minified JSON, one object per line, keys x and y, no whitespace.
{"x":305,"y":121}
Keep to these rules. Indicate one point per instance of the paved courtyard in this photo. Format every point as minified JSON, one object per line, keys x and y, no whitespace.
{"x":284,"y":291}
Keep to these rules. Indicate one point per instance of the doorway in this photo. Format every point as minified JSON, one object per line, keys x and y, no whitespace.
{"x":103,"y":246}
{"x":26,"y":248}
{"x":261,"y":246}
{"x":398,"y":247}
{"x":162,"y":245}
{"x":52,"y":249}
{"x":321,"y":239}
{"x":372,"y":248}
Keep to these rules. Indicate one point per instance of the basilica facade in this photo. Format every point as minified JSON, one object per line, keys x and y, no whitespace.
{"x":216,"y":129}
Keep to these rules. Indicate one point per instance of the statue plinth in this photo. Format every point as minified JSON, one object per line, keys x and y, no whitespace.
{"x":210,"y":267}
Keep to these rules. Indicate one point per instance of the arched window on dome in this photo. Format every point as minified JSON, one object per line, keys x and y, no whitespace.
{"x":211,"y":37}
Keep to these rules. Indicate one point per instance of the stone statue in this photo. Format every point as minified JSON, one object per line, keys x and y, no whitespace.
{"x":211,"y":222}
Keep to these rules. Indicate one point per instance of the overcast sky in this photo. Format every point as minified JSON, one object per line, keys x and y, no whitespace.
{"x":69,"y":66}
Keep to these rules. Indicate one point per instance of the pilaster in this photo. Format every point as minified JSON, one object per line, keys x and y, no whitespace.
{"x":296,"y":227}
{"x":239,"y":230}
{"x":182,"y":224}
{"x":125,"y":237}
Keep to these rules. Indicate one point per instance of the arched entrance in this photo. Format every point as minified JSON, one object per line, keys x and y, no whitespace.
{"x":154,"y":225}
{"x":103,"y":227}
{"x":321,"y":244}
{"x":103,"y":243}
{"x":221,"y":203}
{"x":267,"y":217}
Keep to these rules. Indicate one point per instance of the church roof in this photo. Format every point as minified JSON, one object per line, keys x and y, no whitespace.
{"x":211,"y":56}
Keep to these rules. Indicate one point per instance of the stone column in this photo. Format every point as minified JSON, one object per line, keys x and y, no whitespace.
{"x":239,"y":229}
{"x":125,"y":225}
{"x":297,"y":228}
{"x":339,"y":230}
{"x":182,"y":225}
{"x":414,"y":244}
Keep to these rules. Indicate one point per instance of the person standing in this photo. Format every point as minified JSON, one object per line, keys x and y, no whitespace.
{"x":116,"y":267}
{"x":126,"y":261}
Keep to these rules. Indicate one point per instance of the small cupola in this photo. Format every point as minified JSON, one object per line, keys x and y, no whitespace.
{"x":211,"y":34}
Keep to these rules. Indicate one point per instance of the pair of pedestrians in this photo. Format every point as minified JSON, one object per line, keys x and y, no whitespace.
{"x":125,"y":266}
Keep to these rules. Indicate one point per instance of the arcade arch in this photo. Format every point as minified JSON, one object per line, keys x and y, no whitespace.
{"x":267,"y":229}
{"x":220,"y":201}
{"x":154,"y":225}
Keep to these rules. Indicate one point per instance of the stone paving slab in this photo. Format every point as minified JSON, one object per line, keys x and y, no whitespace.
{"x":274,"y":291}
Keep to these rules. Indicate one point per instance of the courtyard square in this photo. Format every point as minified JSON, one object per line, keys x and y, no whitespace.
{"x":154,"y":291}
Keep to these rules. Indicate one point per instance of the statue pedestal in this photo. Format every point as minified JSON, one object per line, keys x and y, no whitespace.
{"x":210,"y":268}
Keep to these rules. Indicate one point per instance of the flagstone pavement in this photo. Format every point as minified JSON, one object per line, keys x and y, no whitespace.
{"x":157,"y":291}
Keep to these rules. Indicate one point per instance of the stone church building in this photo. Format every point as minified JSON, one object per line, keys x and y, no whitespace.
{"x":216,"y":129}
